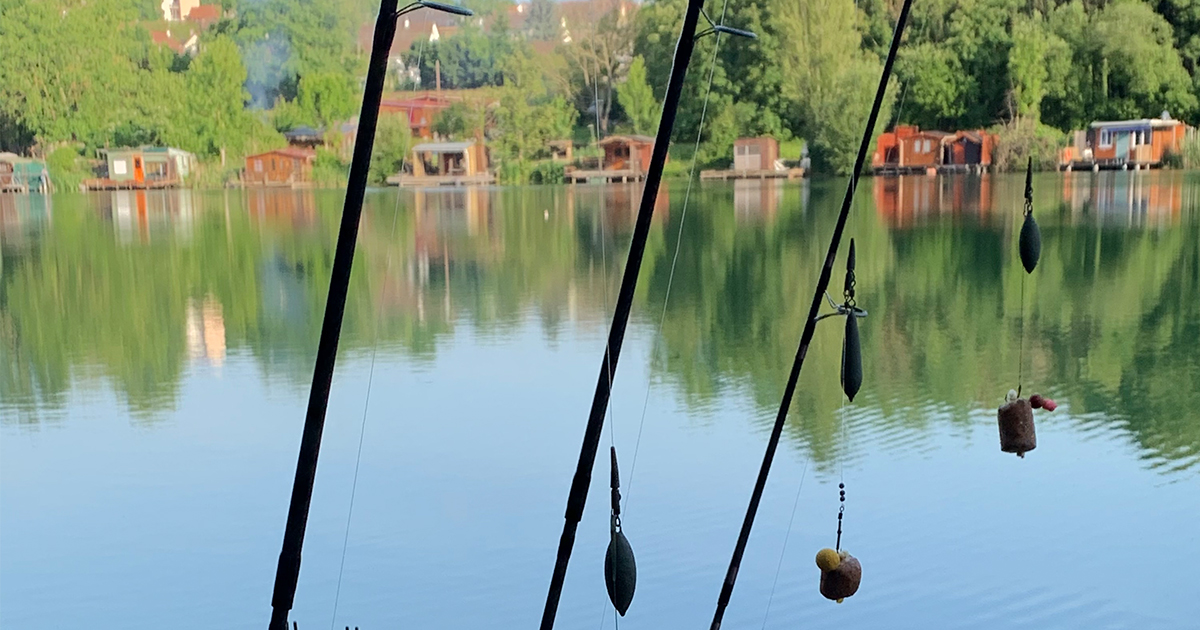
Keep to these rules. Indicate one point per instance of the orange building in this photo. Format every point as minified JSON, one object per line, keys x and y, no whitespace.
{"x":627,"y":153}
{"x":1123,"y":143}
{"x":908,"y":149}
{"x":421,"y":111}
{"x":282,"y":167}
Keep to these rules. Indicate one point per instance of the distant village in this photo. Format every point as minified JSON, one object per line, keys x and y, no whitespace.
{"x":433,"y":160}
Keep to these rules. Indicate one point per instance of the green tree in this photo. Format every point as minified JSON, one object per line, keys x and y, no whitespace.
{"x":830,"y":80}
{"x":393,"y":139}
{"x":328,"y":98}
{"x":637,"y":98}
{"x":215,"y":115}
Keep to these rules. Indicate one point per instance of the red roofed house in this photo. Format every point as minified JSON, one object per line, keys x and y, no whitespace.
{"x":421,"y":111}
{"x":205,"y":15}
{"x":282,"y":167}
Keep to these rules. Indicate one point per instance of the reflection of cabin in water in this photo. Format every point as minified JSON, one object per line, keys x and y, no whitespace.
{"x":446,"y":164}
{"x":281,"y":167}
{"x":1126,"y":197}
{"x":1124,"y":144}
{"x":143,"y":168}
{"x":626,"y":159}
{"x":907,"y":149}
{"x":757,"y":199}
{"x":905,"y":200}
{"x":755,"y":158}
{"x":291,"y":207}
{"x":23,"y":175}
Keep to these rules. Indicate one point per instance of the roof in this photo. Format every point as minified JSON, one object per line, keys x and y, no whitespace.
{"x":1140,"y":122}
{"x":302,"y":131}
{"x":754,"y":139}
{"x":292,"y":152}
{"x":205,"y":13}
{"x":443,"y":147}
{"x":630,"y":138}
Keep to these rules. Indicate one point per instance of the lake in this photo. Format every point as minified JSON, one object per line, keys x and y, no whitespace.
{"x":157,"y":351}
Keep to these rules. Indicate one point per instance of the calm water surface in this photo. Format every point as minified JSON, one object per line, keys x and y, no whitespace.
{"x":156,"y":353}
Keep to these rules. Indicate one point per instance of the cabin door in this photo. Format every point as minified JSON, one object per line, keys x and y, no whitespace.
{"x":139,"y":171}
{"x":1123,"y":145}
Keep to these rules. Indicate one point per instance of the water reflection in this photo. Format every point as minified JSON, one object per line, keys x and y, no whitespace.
{"x":1111,"y":325}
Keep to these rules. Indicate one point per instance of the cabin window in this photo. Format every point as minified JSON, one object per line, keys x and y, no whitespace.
{"x":1105,"y":138}
{"x":928,"y":146}
{"x":119,"y":167}
{"x":257,"y":166}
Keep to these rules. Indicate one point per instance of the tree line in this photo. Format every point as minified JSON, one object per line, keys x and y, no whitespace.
{"x":87,"y":75}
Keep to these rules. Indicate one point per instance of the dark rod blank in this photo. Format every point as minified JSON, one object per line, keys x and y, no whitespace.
{"x":288,"y":572}
{"x":810,"y":325}
{"x":591,"y":437}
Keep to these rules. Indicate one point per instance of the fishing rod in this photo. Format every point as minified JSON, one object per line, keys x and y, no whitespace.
{"x":287,"y":573}
{"x":810,"y":325}
{"x":616,"y":336}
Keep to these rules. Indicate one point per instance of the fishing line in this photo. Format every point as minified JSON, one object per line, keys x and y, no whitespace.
{"x":712,"y":68}
{"x":362,"y":431}
{"x":782,"y":551}
{"x":1021,"y":354}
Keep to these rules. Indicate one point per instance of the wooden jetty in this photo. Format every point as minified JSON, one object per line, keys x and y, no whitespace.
{"x":790,"y":173}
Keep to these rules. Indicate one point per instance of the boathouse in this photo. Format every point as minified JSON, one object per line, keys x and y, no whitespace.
{"x":1121,"y":144}
{"x":140,"y":168}
{"x":908,"y":149}
{"x":282,"y":167}
{"x":968,"y":150}
{"x":755,"y":158}
{"x":446,"y":164}
{"x":23,"y":175}
{"x":627,"y":153}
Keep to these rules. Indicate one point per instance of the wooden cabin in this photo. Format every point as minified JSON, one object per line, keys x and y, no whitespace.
{"x":282,"y":167}
{"x":446,"y":164}
{"x":755,"y":158}
{"x":23,"y":175}
{"x":908,"y":149}
{"x":627,"y":153}
{"x":141,"y":168}
{"x":1122,"y":144}
{"x":968,"y":150}
{"x":755,"y":154}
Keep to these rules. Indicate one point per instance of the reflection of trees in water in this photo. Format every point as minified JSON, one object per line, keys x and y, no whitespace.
{"x":1113,"y":320}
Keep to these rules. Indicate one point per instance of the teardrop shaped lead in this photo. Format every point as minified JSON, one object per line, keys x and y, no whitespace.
{"x":1030,"y":243}
{"x":852,"y":374}
{"x":620,"y":572}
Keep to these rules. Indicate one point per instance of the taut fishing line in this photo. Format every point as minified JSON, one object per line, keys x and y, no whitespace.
{"x":786,"y":536}
{"x":362,"y":431}
{"x":712,"y":68}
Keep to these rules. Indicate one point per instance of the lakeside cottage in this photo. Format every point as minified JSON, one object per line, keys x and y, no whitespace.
{"x":626,"y":158}
{"x":910,"y":149}
{"x":141,"y":168}
{"x":23,"y":175}
{"x":1123,"y":144}
{"x":446,"y":164}
{"x":755,"y":158}
{"x":282,"y":167}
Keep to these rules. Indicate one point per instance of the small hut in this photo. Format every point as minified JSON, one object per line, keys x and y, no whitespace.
{"x":142,"y":168}
{"x":23,"y":175}
{"x":908,"y":149}
{"x":446,"y":164}
{"x":627,"y":153}
{"x":968,"y":150}
{"x":304,"y":138}
{"x":560,"y":149}
{"x":755,"y":154}
{"x":282,"y":167}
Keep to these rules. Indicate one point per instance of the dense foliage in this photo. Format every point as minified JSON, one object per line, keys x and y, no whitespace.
{"x":88,"y":74}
